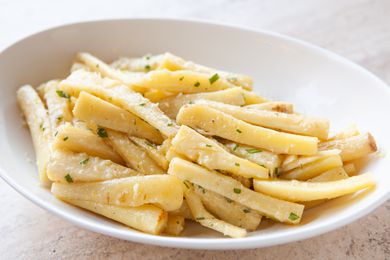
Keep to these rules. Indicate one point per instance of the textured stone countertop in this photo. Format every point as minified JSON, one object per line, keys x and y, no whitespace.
{"x":356,"y":29}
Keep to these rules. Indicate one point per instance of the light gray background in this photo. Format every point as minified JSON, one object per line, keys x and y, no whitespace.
{"x":356,"y":29}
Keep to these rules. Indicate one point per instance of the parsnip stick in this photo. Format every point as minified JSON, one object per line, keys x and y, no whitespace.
{"x":93,"y":109}
{"x":39,"y":125}
{"x":202,"y":216}
{"x":311,"y":170}
{"x":350,"y":169}
{"x":208,"y":153}
{"x":291,"y":123}
{"x":184,"y":211}
{"x":277,"y":106}
{"x":268,"y":159}
{"x":280,"y":210}
{"x":172,"y":62}
{"x":152,"y":151}
{"x":57,"y":105}
{"x":165,"y":191}
{"x":308,"y":191}
{"x":303,"y":160}
{"x":350,"y":131}
{"x":121,"y":96}
{"x":211,"y":120}
{"x":65,"y":167}
{"x":228,"y":210}
{"x":84,"y":141}
{"x":175,"y":225}
{"x":334,"y":174}
{"x":134,"y":156}
{"x":172,"y":105}
{"x":353,"y":147}
{"x":147,"y":218}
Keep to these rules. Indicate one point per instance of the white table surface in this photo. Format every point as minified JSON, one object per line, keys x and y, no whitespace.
{"x":356,"y":29}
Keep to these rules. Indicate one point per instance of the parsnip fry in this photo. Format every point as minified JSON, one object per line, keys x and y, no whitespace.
{"x":84,"y":168}
{"x":280,"y":210}
{"x":171,"y":106}
{"x":84,"y":141}
{"x":303,"y":160}
{"x":181,"y":81}
{"x":210,"y":154}
{"x":184,"y":211}
{"x":57,"y":105}
{"x":146,"y":218}
{"x":350,"y":131}
{"x":353,"y":147}
{"x":330,"y":175}
{"x":93,"y":109}
{"x":173,"y":63}
{"x":311,"y":170}
{"x":39,"y":125}
{"x":134,"y":156}
{"x":121,"y":96}
{"x":350,"y":169}
{"x":175,"y":224}
{"x":152,"y":151}
{"x":228,"y":210}
{"x":164,"y":191}
{"x":308,"y":191}
{"x":277,"y":106}
{"x":211,"y":120}
{"x":265,"y":158}
{"x":292,"y":123}
{"x":202,"y":216}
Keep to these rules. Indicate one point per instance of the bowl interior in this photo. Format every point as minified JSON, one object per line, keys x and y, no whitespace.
{"x":318,"y":82}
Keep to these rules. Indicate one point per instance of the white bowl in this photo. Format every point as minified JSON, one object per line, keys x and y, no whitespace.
{"x":319,"y":82}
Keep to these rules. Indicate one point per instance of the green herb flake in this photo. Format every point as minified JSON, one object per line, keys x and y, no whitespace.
{"x":214,"y":78}
{"x":62,"y":94}
{"x":142,"y":104}
{"x":209,"y":145}
{"x":59,"y":118}
{"x":237,"y":190}
{"x":85,"y":161}
{"x":228,"y":200}
{"x":65,"y":138}
{"x":102,"y":132}
{"x":149,"y":143}
{"x":97,"y":65}
{"x":197,"y":84}
{"x":147,"y":67}
{"x":232,"y":79}
{"x":293,"y":216}
{"x":56,"y":133}
{"x":68,"y":178}
{"x":190,"y":102}
{"x":253,"y":150}
{"x":170,"y":124}
{"x":187,"y":183}
{"x":200,"y":218}
{"x":237,"y":164}
{"x":235,"y":147}
{"x":246,"y":210}
{"x":238,"y":131}
{"x":41,"y":127}
{"x":181,"y":78}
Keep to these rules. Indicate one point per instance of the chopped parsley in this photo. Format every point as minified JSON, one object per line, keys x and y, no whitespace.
{"x":85,"y":161}
{"x":228,"y":200}
{"x":237,"y":164}
{"x":197,"y":84}
{"x":68,"y":178}
{"x":253,"y":150}
{"x":65,"y":138}
{"x":209,"y":145}
{"x":41,"y":127}
{"x":235,"y":147}
{"x":187,"y":183}
{"x":181,"y":78}
{"x":142,"y":104}
{"x":101,"y":132}
{"x":62,"y":94}
{"x":232,"y":79}
{"x":237,"y":190}
{"x":238,"y":131}
{"x":59,"y":118}
{"x":200,"y":218}
{"x":56,"y":133}
{"x":149,"y":143}
{"x":214,"y":78}
{"x":97,"y":65}
{"x":170,"y":124}
{"x":293,"y":216}
{"x":147,"y":67}
{"x":190,"y":102}
{"x":246,"y":210}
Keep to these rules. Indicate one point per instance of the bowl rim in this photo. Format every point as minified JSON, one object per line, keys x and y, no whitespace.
{"x":203,"y":243}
